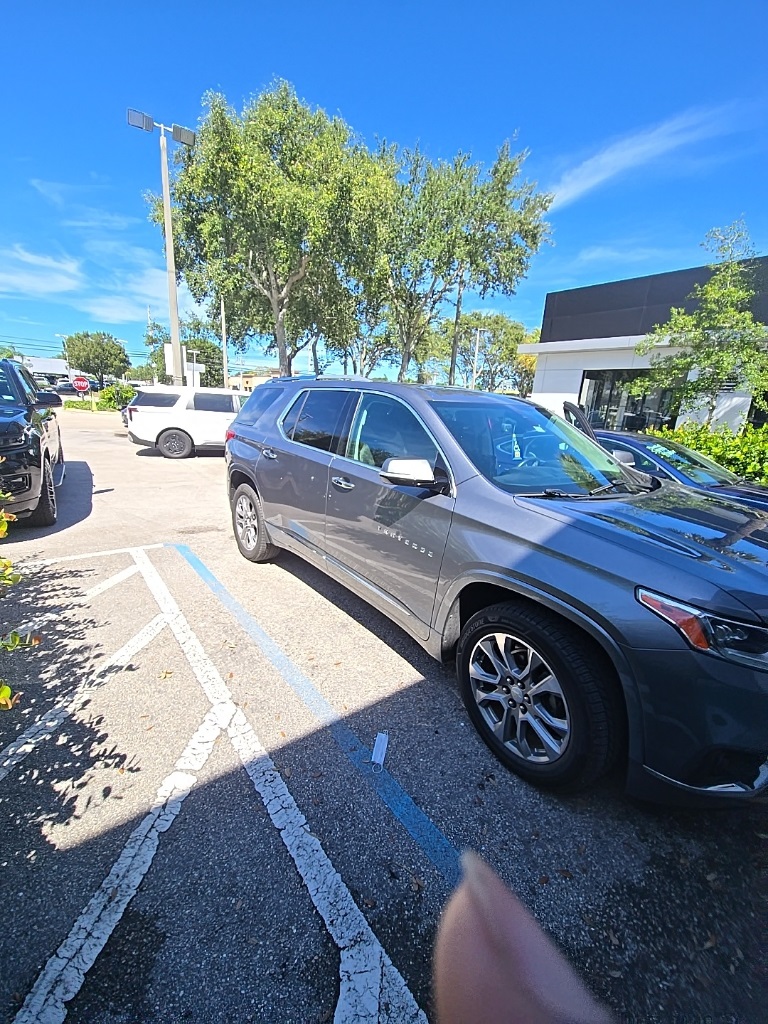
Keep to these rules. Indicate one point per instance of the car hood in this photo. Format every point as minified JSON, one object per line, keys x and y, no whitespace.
{"x":717,"y":539}
{"x":753,"y":494}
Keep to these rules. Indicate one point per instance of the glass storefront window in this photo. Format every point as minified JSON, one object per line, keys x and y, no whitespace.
{"x":609,"y":406}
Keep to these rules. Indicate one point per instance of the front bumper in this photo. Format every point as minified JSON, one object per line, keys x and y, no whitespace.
{"x":704,"y":729}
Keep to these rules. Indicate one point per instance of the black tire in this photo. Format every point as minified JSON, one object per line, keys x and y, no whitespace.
{"x":249,"y":526}
{"x":45,"y":511}
{"x":557,"y":719}
{"x":175,"y":444}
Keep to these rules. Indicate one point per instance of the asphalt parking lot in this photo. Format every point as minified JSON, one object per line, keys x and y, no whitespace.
{"x":191,"y":827}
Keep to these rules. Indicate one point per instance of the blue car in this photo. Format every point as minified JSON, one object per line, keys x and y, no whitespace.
{"x":669,"y":460}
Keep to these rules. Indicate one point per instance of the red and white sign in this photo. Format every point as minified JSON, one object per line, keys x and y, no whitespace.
{"x":81,"y":384}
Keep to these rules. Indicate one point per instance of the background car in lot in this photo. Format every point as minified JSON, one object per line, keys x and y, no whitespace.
{"x":30,"y":446}
{"x":670,"y":460}
{"x":181,"y":421}
{"x":571,"y":592}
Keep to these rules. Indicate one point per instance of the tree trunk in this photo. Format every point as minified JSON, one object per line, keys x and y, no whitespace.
{"x":455,"y":341}
{"x":282,"y":344}
{"x":315,"y":362}
{"x":405,"y":361}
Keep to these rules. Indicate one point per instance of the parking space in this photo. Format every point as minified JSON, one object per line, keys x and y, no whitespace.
{"x":194,"y":829}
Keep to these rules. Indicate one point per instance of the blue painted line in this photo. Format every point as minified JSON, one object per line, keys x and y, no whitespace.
{"x":440,"y":850}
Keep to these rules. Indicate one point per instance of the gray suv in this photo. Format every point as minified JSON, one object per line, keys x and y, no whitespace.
{"x":595,"y":614}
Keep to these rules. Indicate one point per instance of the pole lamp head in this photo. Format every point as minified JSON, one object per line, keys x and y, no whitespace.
{"x":138,"y":120}
{"x":183,"y":135}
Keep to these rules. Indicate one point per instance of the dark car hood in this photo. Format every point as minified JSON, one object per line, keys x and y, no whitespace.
{"x":753,"y":494}
{"x":720,"y":540}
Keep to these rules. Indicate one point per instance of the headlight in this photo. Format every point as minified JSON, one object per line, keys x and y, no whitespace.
{"x":735,"y":641}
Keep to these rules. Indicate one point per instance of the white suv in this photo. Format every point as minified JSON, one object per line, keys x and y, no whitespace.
{"x":180,"y":421}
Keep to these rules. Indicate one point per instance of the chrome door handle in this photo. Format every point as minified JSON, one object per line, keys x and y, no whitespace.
{"x":268,"y":453}
{"x":342,"y":482}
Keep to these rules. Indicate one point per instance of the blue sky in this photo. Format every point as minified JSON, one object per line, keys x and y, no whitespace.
{"x":648,"y":122}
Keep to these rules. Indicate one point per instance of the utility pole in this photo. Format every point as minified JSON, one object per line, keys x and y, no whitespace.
{"x":474,"y":364}
{"x":224,"y":363}
{"x":137,"y":119}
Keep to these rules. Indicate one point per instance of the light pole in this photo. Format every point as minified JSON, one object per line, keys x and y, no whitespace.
{"x":187,"y":138}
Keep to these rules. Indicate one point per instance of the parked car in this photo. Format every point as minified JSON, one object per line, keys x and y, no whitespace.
{"x":66,"y":387}
{"x":32,"y":464}
{"x":665,"y":458}
{"x":594,"y":614}
{"x":181,"y":421}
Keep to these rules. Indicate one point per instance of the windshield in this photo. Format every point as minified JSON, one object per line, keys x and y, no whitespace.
{"x":524,"y":449}
{"x":698,"y":467}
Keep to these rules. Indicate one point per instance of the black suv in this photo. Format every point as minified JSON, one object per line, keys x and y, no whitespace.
{"x":30,"y":446}
{"x":595,"y":613}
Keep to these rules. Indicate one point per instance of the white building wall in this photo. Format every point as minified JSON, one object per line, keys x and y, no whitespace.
{"x":560,"y":367}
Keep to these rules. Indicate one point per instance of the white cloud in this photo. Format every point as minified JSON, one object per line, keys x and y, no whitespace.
{"x":629,"y":253}
{"x":88,"y":218}
{"x":24,"y":274}
{"x":641,"y":148}
{"x":130,"y":295}
{"x":55,"y":192}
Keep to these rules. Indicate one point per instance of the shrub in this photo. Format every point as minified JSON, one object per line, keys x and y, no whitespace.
{"x":745,"y":453}
{"x":115,"y":396}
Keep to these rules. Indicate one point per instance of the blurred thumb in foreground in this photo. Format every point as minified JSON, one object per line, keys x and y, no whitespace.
{"x":494,"y":964}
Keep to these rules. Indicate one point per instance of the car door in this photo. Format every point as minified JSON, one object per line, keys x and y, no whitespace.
{"x":292,"y":470}
{"x":209,"y":413}
{"x":389,"y":537}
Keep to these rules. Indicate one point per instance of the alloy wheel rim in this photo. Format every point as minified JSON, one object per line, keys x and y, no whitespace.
{"x":174,"y":443}
{"x":519,"y":698}
{"x":246,"y":522}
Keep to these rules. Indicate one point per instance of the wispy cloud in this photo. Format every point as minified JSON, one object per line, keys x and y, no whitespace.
{"x":643,"y":147}
{"x":629,"y":253}
{"x":25,"y":274}
{"x":56,"y":192}
{"x":89,"y":218}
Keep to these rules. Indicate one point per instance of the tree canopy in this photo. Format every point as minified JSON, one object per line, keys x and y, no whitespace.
{"x":97,"y":353}
{"x":719,"y":344}
{"x":312,"y":239}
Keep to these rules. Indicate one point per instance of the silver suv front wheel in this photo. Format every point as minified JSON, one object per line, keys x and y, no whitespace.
{"x":544,"y":700}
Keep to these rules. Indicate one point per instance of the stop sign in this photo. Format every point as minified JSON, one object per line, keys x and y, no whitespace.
{"x":81,"y":383}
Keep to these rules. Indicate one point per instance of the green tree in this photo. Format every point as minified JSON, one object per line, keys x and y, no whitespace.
{"x":195,"y":334}
{"x":262,"y":198}
{"x":451,"y":228}
{"x":719,"y":343}
{"x":486,"y":351}
{"x":97,"y":353}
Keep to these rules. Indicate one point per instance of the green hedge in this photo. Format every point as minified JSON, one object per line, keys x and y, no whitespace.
{"x":745,"y":453}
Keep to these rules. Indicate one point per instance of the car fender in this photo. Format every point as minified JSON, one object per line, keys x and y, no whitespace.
{"x":446,"y":629}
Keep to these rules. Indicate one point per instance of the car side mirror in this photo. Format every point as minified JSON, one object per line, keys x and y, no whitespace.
{"x":45,"y":399}
{"x":413,"y":472}
{"x":623,"y":457}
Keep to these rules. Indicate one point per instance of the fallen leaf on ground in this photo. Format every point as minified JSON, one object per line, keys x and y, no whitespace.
{"x":165,"y":673}
{"x":544,"y":880}
{"x":564,"y":873}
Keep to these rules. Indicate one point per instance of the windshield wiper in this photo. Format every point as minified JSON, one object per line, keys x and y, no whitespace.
{"x":550,"y":492}
{"x":608,"y":487}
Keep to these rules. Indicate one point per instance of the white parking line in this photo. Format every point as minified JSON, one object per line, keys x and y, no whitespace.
{"x":35,"y":562}
{"x":63,"y":975}
{"x":100,"y":588}
{"x":26,"y":742}
{"x":365,"y":966}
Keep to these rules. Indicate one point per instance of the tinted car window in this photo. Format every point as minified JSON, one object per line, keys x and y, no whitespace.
{"x":320,"y":419}
{"x":157,"y":399}
{"x":385,"y":429}
{"x":639,"y":461}
{"x":8,"y":394}
{"x":204,"y":401}
{"x":257,"y":404}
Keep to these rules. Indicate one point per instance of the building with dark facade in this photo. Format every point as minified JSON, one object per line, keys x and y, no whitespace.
{"x":586,"y":353}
